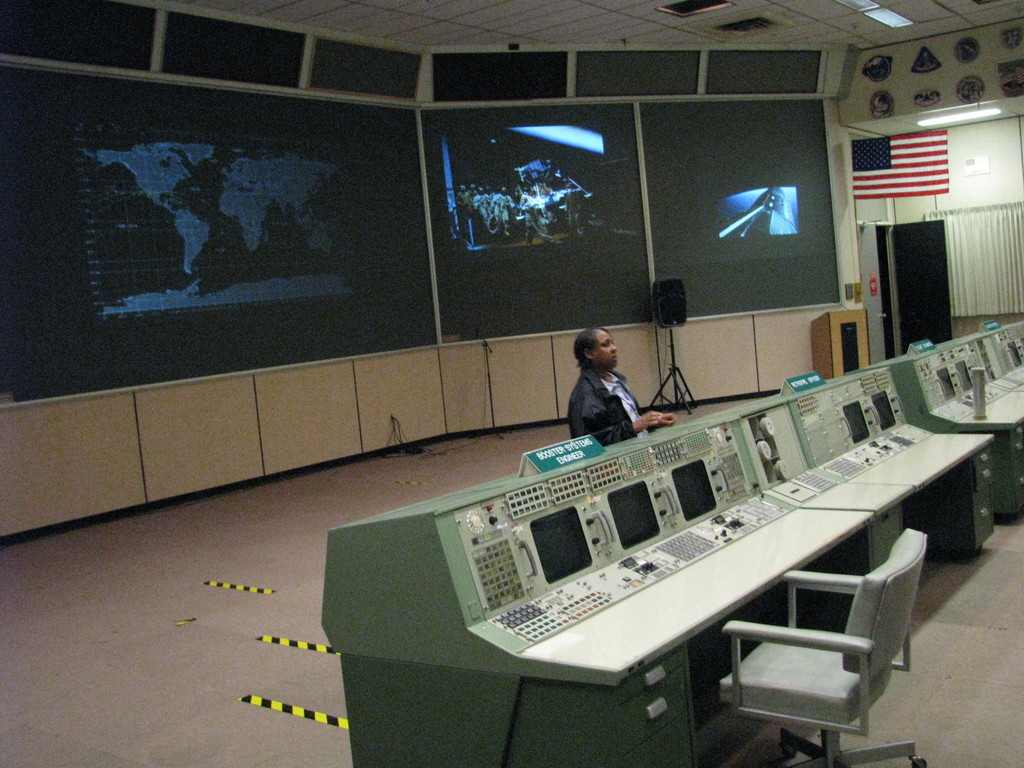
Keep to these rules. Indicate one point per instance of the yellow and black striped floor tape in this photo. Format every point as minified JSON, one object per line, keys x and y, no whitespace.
{"x":298,"y":644}
{"x":240,"y":587}
{"x":288,"y":709}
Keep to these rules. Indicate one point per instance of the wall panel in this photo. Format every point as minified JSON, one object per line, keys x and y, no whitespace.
{"x":198,"y":435}
{"x":467,"y":400}
{"x":523,"y":381}
{"x":69,"y":459}
{"x":566,"y":370}
{"x":307,"y":415}
{"x":399,"y":398}
{"x":717,"y":356}
{"x":783,"y":346}
{"x":985,"y":165}
{"x":643,"y":358}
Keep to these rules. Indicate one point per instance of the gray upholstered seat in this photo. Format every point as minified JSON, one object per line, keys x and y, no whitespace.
{"x":830,"y":679}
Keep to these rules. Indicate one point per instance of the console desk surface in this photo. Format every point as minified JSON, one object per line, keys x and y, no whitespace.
{"x":665,"y":614}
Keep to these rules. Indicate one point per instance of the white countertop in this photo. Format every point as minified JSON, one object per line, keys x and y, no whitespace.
{"x":632,"y":631}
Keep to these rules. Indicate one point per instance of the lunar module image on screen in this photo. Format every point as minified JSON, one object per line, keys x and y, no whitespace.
{"x":538,"y":203}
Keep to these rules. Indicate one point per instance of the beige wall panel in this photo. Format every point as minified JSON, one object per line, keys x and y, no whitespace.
{"x":523,"y":381}
{"x":66,"y":460}
{"x":716,"y":356}
{"x":566,"y":370}
{"x":307,"y":415}
{"x":907,"y":210}
{"x":639,"y":359}
{"x":406,"y":385}
{"x":467,"y":402}
{"x":198,"y":435}
{"x":996,"y":146}
{"x":783,"y":346}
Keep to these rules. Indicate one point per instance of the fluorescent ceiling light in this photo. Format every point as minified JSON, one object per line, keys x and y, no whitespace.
{"x":889,"y":18}
{"x":975,"y":115}
{"x":858,"y":5}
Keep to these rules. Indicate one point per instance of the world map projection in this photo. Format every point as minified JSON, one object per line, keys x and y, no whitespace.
{"x":180,"y":225}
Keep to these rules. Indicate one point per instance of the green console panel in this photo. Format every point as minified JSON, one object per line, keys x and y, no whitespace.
{"x":419,"y":716}
{"x":936,"y":390}
{"x":590,"y":726}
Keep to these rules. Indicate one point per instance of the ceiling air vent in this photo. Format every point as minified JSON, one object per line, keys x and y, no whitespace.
{"x":747,"y":25}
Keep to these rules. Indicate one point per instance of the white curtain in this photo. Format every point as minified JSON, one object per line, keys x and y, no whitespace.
{"x":985,"y":249}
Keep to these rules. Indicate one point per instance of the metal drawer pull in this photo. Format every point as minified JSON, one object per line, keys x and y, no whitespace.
{"x":654,"y":676}
{"x":656,"y":708}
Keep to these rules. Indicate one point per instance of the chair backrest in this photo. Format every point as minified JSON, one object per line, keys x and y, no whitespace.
{"x":883,"y":604}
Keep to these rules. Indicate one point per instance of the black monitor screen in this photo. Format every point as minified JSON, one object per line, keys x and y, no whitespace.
{"x":1014,"y":354}
{"x":693,"y":487}
{"x":855,"y":419}
{"x":561,"y":544}
{"x":886,"y":419}
{"x":634,"y":515}
{"x":965,"y":375}
{"x":948,"y":393}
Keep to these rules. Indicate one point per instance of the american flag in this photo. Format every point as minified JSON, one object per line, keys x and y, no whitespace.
{"x":901,"y":166}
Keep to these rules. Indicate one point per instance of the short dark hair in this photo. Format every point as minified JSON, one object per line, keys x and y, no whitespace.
{"x":585,"y":341}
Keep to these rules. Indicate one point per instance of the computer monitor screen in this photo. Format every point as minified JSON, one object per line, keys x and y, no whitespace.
{"x":855,"y":419}
{"x":693,"y":487}
{"x":1014,"y":354}
{"x":948,"y":393}
{"x":561,"y":544}
{"x":964,"y":374}
{"x":633,"y":513}
{"x":886,"y":418}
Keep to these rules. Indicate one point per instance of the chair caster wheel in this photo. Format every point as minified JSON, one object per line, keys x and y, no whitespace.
{"x":788,"y":750}
{"x":918,"y":762}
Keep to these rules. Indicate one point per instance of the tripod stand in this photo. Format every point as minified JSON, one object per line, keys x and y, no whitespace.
{"x":680,"y":389}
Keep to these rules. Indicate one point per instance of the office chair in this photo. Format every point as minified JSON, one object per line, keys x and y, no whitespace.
{"x":830,"y":679}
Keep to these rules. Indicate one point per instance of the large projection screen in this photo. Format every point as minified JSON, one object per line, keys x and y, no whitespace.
{"x":157,"y":232}
{"x":536,"y":219}
{"x":740,"y":203}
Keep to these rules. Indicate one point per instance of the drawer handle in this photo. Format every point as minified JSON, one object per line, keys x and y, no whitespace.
{"x":654,"y":676}
{"x":656,"y":708}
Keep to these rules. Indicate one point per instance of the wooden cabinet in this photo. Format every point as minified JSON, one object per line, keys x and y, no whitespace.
{"x":839,"y":342}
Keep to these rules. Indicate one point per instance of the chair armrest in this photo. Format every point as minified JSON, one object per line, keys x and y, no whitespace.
{"x":804,"y":638}
{"x":838,"y":583}
{"x":824,"y":582}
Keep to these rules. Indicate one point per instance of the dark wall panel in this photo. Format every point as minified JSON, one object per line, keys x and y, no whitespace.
{"x":202,"y":47}
{"x":158,"y":232}
{"x":360,"y":69}
{"x":511,"y":76}
{"x":636,"y":73}
{"x":763,"y":72}
{"x":94,"y":32}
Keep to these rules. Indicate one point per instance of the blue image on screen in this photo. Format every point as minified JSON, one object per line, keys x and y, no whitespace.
{"x":764,"y":211}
